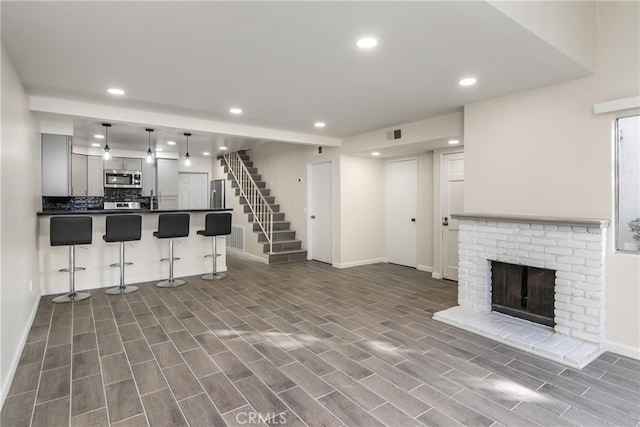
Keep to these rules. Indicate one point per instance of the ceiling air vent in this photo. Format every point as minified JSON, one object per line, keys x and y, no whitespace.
{"x":394,"y":134}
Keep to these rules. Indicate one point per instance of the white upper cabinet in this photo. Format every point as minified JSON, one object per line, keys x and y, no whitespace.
{"x":78,"y":175}
{"x":167,"y":183}
{"x":148,"y":179}
{"x":130,"y":164}
{"x":123,"y":163}
{"x":114,"y":163}
{"x":95,"y":176}
{"x":56,"y":165}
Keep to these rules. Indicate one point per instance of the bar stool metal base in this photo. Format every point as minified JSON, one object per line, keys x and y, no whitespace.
{"x":121,"y":291}
{"x":214,"y":276}
{"x":67,"y":270}
{"x":122,"y":288}
{"x":117,"y":264}
{"x":170,"y":283}
{"x":71,"y":297}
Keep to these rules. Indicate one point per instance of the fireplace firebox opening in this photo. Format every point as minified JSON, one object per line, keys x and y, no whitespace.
{"x":523,"y":291}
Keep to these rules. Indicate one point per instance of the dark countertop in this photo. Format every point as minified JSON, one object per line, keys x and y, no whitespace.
{"x":123,"y":211}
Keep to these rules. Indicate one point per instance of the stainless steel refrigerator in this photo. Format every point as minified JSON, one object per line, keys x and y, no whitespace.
{"x":217,"y":196}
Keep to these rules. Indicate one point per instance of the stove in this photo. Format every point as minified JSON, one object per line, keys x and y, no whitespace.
{"x":121,"y":205}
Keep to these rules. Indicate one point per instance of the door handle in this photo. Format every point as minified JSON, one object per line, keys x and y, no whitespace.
{"x":413,"y":220}
{"x":445,"y":222}
{"x":313,"y":217}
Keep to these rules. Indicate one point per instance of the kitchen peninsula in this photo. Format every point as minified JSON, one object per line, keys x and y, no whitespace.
{"x":145,"y":253}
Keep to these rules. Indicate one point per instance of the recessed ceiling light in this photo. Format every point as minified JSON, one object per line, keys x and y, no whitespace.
{"x":375,"y":153}
{"x":171,"y":142}
{"x":367,"y":43}
{"x":235,"y":110}
{"x":223,"y":148}
{"x":95,"y":144}
{"x":98,"y":136}
{"x":319,"y":124}
{"x":115,"y":91}
{"x":158,"y":149}
{"x":454,"y":142}
{"x":206,"y":153}
{"x":468,"y":81}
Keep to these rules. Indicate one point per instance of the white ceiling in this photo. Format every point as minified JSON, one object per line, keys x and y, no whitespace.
{"x":287,"y":64}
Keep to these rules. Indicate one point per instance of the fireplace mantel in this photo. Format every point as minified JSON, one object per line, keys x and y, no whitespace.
{"x":571,"y":222}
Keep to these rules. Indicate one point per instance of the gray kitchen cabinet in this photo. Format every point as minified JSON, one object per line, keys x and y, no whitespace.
{"x":148,"y":179}
{"x":56,"y":165}
{"x":95,"y":176}
{"x":167,"y":183}
{"x":123,"y":163}
{"x":114,"y":163}
{"x":130,"y":164}
{"x":79,"y":174}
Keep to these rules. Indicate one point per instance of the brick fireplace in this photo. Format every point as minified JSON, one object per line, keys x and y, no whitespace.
{"x":574,"y":249}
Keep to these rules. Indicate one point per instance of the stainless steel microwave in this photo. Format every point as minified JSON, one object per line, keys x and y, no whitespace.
{"x":122,"y":179}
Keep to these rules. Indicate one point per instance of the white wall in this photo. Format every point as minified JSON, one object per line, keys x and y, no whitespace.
{"x":198,"y":165}
{"x":543,"y":152}
{"x":362,"y":211}
{"x":19,"y":201}
{"x":433,"y":129}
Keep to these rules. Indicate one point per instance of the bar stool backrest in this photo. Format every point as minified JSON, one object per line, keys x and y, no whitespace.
{"x":173,"y":225}
{"x":70,"y":230}
{"x":123,"y":228}
{"x":218,"y":224}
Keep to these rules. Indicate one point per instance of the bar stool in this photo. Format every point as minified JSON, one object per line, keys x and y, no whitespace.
{"x":71,"y":231}
{"x":216,"y":224}
{"x":171,"y":226}
{"x":122,"y":228}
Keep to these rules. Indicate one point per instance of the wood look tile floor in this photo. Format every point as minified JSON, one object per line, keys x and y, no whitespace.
{"x":297,"y":344}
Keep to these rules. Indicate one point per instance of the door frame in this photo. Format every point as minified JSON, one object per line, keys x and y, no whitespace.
{"x":310,"y":206}
{"x":439,"y":228}
{"x":386,"y":208}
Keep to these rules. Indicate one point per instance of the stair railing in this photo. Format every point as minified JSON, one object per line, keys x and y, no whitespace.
{"x":260,"y":208}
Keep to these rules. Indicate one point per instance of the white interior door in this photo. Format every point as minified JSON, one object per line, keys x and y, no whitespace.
{"x":402,"y":202}
{"x":452,"y":202}
{"x":193,"y":191}
{"x":320,"y":212}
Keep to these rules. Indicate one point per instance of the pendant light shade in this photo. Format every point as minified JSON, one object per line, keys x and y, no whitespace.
{"x":187,"y":157}
{"x":107,"y":150}
{"x":149,"y":153}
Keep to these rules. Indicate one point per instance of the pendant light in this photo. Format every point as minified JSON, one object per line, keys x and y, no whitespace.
{"x":107,"y":150}
{"x":149,"y":153}
{"x":187,"y":157}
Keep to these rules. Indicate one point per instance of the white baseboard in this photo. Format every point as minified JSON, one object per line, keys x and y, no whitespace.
{"x":358,"y":263}
{"x":238,"y":252}
{"x":83,"y":286}
{"x":6,"y":384}
{"x":436,"y":275}
{"x":424,"y":268}
{"x":623,"y":350}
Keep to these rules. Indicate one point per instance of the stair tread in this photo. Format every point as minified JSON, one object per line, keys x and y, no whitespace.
{"x":289,"y":251}
{"x":281,"y":241}
{"x":277,"y":231}
{"x":275,"y":222}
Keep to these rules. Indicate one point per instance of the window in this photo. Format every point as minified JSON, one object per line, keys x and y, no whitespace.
{"x":628,"y":184}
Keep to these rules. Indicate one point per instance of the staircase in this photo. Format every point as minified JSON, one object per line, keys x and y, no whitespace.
{"x":278,"y":240}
